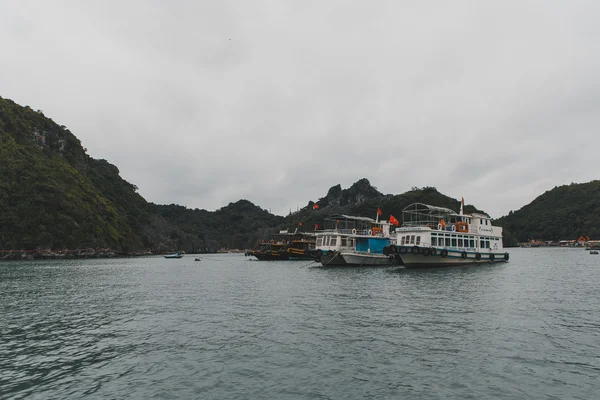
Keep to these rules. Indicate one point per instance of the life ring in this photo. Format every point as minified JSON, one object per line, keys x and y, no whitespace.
{"x":403,"y":250}
{"x":371,"y":232}
{"x":415,"y":250}
{"x":453,"y":228}
{"x":462,"y":227}
{"x":444,"y":253}
{"x":272,"y":241}
{"x":506,"y":256}
{"x":463,"y":255}
{"x":439,"y":227}
{"x":478,"y":256}
{"x":354,"y":231}
{"x":492,"y":257}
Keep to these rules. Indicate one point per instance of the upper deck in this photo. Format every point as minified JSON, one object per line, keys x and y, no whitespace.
{"x":423,"y":217}
{"x":358,"y":226}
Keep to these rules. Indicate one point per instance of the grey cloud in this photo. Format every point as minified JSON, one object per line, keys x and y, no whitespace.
{"x":204,"y":103}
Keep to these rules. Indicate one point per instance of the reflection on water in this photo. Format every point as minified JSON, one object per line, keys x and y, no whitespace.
{"x":231,"y":328}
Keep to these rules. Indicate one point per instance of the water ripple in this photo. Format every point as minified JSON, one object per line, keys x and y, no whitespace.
{"x":229,"y":328}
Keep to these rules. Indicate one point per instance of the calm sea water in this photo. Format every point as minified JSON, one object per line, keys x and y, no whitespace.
{"x":229,"y":328}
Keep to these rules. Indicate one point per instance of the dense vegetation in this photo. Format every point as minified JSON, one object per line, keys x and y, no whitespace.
{"x":563,"y":213}
{"x":54,"y":196}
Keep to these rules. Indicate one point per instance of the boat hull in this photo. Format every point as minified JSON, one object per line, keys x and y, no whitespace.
{"x":452,"y":258}
{"x":330,"y":259}
{"x":270,"y":255}
{"x":366,"y":259}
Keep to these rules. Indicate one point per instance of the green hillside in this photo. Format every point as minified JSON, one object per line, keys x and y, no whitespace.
{"x":565,"y":212}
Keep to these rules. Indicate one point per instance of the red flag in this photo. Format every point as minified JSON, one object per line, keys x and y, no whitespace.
{"x":379,"y":211}
{"x":316,"y":226}
{"x":315,"y":206}
{"x":393,"y":220}
{"x":299,"y":223}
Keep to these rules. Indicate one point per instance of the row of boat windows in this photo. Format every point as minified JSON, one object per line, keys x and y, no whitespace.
{"x":451,"y":241}
{"x":333,"y":241}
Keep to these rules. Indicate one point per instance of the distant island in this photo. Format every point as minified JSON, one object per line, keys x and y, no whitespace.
{"x":56,"y":201}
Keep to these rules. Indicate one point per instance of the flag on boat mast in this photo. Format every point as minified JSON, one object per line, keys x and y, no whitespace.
{"x":462,"y":205}
{"x":378,"y":214}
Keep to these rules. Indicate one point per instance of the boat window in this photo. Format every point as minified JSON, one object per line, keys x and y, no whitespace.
{"x":402,"y":240}
{"x":433,"y":241}
{"x":320,"y":241}
{"x":333,"y":241}
{"x":447,"y":241}
{"x":460,"y":243}
{"x":344,"y":242}
{"x":326,"y":240}
{"x":418,"y":239}
{"x":454,"y":241}
{"x":471,"y":242}
{"x":412,"y":239}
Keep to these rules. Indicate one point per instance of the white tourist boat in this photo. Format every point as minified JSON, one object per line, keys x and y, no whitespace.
{"x":349,"y":240}
{"x":433,"y":236}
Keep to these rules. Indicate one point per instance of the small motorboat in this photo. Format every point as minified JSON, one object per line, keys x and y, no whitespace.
{"x":593,"y":252}
{"x":197,"y":259}
{"x":176,"y":255}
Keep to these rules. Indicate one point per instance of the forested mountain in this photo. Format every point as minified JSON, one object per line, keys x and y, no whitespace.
{"x":54,"y":196}
{"x":565,"y":212}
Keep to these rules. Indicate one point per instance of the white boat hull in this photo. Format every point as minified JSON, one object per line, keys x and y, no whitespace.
{"x":453,"y":258}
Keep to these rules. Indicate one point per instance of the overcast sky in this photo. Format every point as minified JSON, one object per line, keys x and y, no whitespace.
{"x":202,"y":103}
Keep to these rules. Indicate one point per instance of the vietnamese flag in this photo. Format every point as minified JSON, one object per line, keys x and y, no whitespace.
{"x":393,"y":220}
{"x":379,"y":211}
{"x":316,"y":226}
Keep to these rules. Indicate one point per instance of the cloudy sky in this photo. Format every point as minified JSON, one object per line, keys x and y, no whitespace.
{"x":202,"y":103}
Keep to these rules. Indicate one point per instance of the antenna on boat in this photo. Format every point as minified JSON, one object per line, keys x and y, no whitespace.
{"x":462,"y":205}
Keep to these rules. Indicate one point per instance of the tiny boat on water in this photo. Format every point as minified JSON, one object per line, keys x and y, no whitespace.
{"x":433,"y":236}
{"x":593,"y":252}
{"x":176,"y":255}
{"x":197,"y":259}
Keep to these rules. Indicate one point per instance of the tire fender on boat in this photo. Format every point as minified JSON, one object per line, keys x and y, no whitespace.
{"x":444,"y":253}
{"x":415,"y":250}
{"x":403,"y":250}
{"x":478,"y":256}
{"x":425,"y":252}
{"x":506,"y":256}
{"x":463,"y":255}
{"x":432,"y":251}
{"x":492,"y":257}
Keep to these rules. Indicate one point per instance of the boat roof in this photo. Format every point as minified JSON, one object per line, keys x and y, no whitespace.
{"x":350,"y":217}
{"x":425,"y":207}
